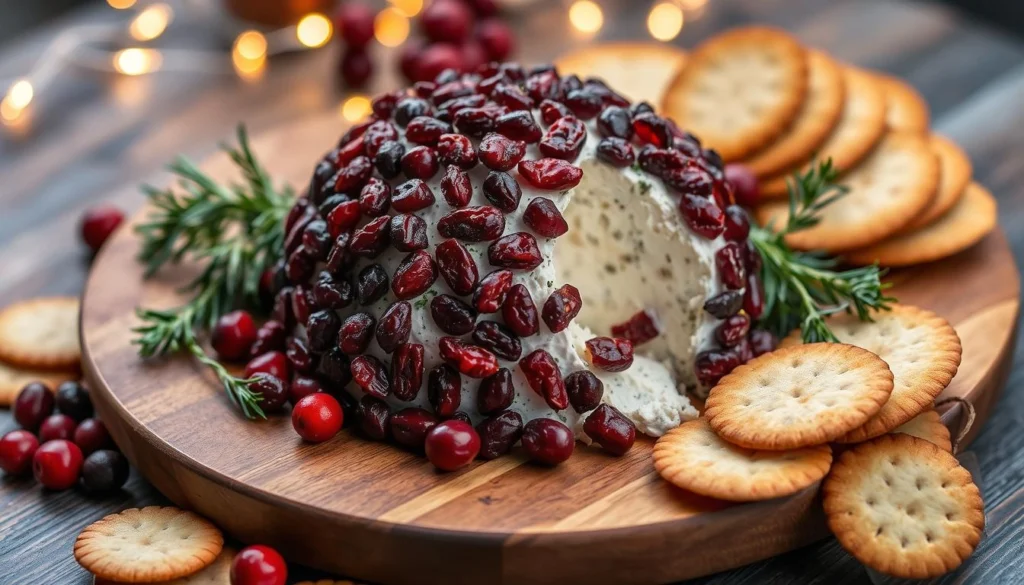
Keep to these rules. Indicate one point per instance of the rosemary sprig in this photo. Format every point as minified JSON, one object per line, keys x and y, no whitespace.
{"x":803,"y":288}
{"x":236,"y":231}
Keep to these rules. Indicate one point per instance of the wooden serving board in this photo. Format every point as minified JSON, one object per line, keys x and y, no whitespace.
{"x":375,"y":512}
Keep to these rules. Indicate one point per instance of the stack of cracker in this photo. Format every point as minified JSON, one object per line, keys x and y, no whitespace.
{"x":38,"y":343}
{"x":757,"y":96}
{"x":896,"y":497}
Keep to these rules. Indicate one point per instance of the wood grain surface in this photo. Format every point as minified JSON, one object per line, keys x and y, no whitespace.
{"x":95,"y":138}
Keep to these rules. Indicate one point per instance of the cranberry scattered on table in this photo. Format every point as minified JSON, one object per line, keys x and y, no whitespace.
{"x":258,"y":565}
{"x":317,"y":417}
{"x":98,"y":224}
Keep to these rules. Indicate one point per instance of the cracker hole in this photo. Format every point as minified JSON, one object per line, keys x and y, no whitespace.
{"x":928,"y":537}
{"x":879,"y":531}
{"x":903,"y":542}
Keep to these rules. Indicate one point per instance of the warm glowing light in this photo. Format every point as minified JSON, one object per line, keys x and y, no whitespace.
{"x":151,"y":22}
{"x":691,"y":4}
{"x":20,"y":95}
{"x":665,"y":21}
{"x":391,"y":27}
{"x":137,"y":61}
{"x":355,"y":108}
{"x":8,"y":112}
{"x":586,"y":16}
{"x":251,"y":45}
{"x":409,"y":8}
{"x":314,"y":30}
{"x":121,"y":4}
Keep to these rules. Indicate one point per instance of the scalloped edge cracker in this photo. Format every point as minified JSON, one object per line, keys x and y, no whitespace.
{"x":905,"y":108}
{"x":955,"y":175}
{"x":928,"y":426}
{"x":41,"y":334}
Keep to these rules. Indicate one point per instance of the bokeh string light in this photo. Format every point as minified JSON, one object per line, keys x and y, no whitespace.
{"x":391,"y":27}
{"x":665,"y":21}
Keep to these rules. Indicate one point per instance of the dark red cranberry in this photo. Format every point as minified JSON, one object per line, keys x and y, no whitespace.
{"x":416,"y":273}
{"x":323,"y":172}
{"x":550,"y":173}
{"x":520,"y":312}
{"x":408,"y":233}
{"x":713,"y":159}
{"x":407,"y":371}
{"x":300,"y":266}
{"x":452,"y":315}
{"x":376,"y":135}
{"x":267,"y":288}
{"x":322,"y":329}
{"x":98,"y":223}
{"x":640,"y":328}
{"x":34,"y":403}
{"x":57,"y":426}
{"x":470,"y":360}
{"x":753,"y":296}
{"x":510,"y":96}
{"x":420,"y":163}
{"x":331,"y":293}
{"x":91,"y":435}
{"x":273,"y":362}
{"x":353,"y":175}
{"x":104,"y":472}
{"x":660,"y":161}
{"x":502,"y":190}
{"x":499,"y":433}
{"x":344,"y":217}
{"x":724,"y":304}
{"x":517,"y":251}
{"x":544,"y":85}
{"x":303,"y":386}
{"x":282,"y":312}
{"x":642,"y":108}
{"x":710,"y":366}
{"x":552,"y":111}
{"x":489,"y":83}
{"x":562,"y":307}
{"x":585,"y":390}
{"x":317,"y":417}
{"x":451,"y":445}
{"x":389,"y":159}
{"x":476,"y":122}
{"x":702,"y":215}
{"x":269,"y":337}
{"x":752,"y":257}
{"x":496,"y":38}
{"x":457,"y":266}
{"x":354,"y":21}
{"x":355,"y":333}
{"x":294,"y":236}
{"x":500,"y":153}
{"x":374,"y":418}
{"x":513,"y":71}
{"x":456,"y":149}
{"x":16,"y":451}
{"x":451,"y":90}
{"x":615,"y":122}
{"x":409,"y":427}
{"x":409,"y":108}
{"x":541,"y":371}
{"x":737,"y":224}
{"x":300,"y":213}
{"x":57,"y":464}
{"x":733,"y":330}
{"x":653,"y":129}
{"x":762,"y":342}
{"x":317,"y":240}
{"x":564,"y":139}
{"x":490,"y":295}
{"x":617,"y":152}
{"x":374,"y":198}
{"x":259,"y":565}
{"x":72,"y":399}
{"x":496,"y":392}
{"x":451,"y":107}
{"x":333,"y":369}
{"x":729,"y":260}
{"x":384,"y":104}
{"x":426,"y":130}
{"x":349,"y":151}
{"x":447,"y":21}
{"x":233,"y":335}
{"x":394,"y":326}
{"x":498,"y":339}
{"x":744,"y":184}
{"x":607,"y":427}
{"x":455,"y":187}
{"x":371,"y":284}
{"x":473,"y":55}
{"x":272,"y":392}
{"x":444,"y":390}
{"x":412,"y":195}
{"x":372,"y":239}
{"x":584,"y":103}
{"x":548,"y":441}
{"x":340,"y":259}
{"x":370,"y":374}
{"x":519,"y":125}
{"x":543,"y":217}
{"x":473,"y":224}
{"x":298,"y":354}
{"x":302,"y":303}
{"x":690,"y":179}
{"x":571,"y":82}
{"x":610,"y":354}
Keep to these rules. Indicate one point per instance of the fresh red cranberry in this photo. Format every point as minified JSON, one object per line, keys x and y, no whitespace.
{"x":394,"y":326}
{"x":274,"y":363}
{"x":447,"y":21}
{"x":372,"y":284}
{"x":548,"y":441}
{"x":354,"y":21}
{"x":456,"y":187}
{"x":585,"y":390}
{"x":744,"y":184}
{"x":409,"y":62}
{"x":16,"y":451}
{"x":56,"y":464}
{"x":551,"y":111}
{"x":610,"y":354}
{"x":372,"y":239}
{"x":436,"y":58}
{"x":725,"y":304}
{"x":303,"y":386}
{"x":498,"y":339}
{"x":99,"y":223}
{"x":615,"y":151}
{"x":710,"y":366}
{"x":737,"y":224}
{"x":519,"y":125}
{"x":733,"y":330}
{"x":457,"y":267}
{"x":375,"y":197}
{"x":374,"y":418}
{"x":444,"y":390}
{"x":470,"y":360}
{"x":550,"y":173}
{"x":541,"y":371}
{"x":355,"y":333}
{"x":702,"y":215}
{"x":564,"y":139}
{"x":517,"y":251}
{"x":57,"y":426}
{"x":615,"y":122}
{"x":416,"y":273}
{"x":607,"y":427}
{"x":496,"y":38}
{"x":233,"y":335}
{"x":407,"y":371}
{"x":104,"y":472}
{"x":420,"y":163}
{"x":762,"y":342}
{"x":562,"y":307}
{"x":258,"y":565}
{"x":489,"y":296}
{"x":409,"y":427}
{"x":426,"y":130}
{"x":34,"y":403}
{"x":640,"y":328}
{"x":513,"y":98}
{"x":411,"y":196}
{"x":91,"y":435}
{"x":473,"y":224}
{"x":500,"y":153}
{"x":731,"y":269}
{"x":496,"y":392}
{"x":499,"y":433}
{"x":543,"y":217}
{"x":269,"y":337}
{"x":456,"y":149}
{"x":520,"y":312}
{"x":452,"y":444}
{"x":72,"y":399}
{"x":370,"y":374}
{"x":451,"y":315}
{"x":753,"y":296}
{"x":473,"y":55}
{"x":317,"y":417}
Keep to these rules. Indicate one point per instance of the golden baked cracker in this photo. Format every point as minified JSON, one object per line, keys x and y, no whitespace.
{"x":13,"y":379}
{"x":818,"y":116}
{"x":642,"y":72}
{"x":955,"y":174}
{"x":148,"y":545}
{"x":970,"y":220}
{"x":859,"y":129}
{"x":922,"y":350}
{"x":740,"y":90}
{"x":905,"y":109}
{"x":799,"y":396}
{"x":904,"y":507}
{"x":216,"y":573}
{"x":41,"y":334}
{"x":693,"y":457}
{"x":928,"y":426}
{"x":885,"y":191}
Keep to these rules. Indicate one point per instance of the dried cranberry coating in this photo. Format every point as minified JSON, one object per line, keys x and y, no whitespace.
{"x":518,"y":251}
{"x":544,"y":85}
{"x":607,"y":427}
{"x":370,"y":374}
{"x":710,"y":366}
{"x":610,"y":354}
{"x":640,"y":328}
{"x":550,"y":173}
{"x":473,"y":224}
{"x":498,"y":339}
{"x":282,"y":312}
{"x":584,"y":103}
{"x":615,"y":121}
{"x":371,"y":284}
{"x":724,"y":304}
{"x":473,"y":361}
{"x":411,"y":196}
{"x":451,"y":90}
{"x":451,"y":315}
{"x":456,"y":149}
{"x":316,"y":240}
{"x":617,"y":152}
{"x":702,"y":215}
{"x":476,"y":122}
{"x":269,"y":337}
{"x":585,"y":390}
{"x":731,"y":270}
{"x":495,"y":393}
{"x":548,"y":441}
{"x":503,"y":191}
{"x":762,"y":342}
{"x":375,"y":198}
{"x":654,"y":130}
{"x":499,"y":433}
{"x":416,"y":273}
{"x":520,"y":312}
{"x":302,"y":303}
{"x":733,"y":330}
{"x":564,"y":139}
{"x":344,"y":217}
{"x":389,"y":159}
{"x":374,"y":417}
{"x":753,"y":296}
{"x":339,"y":259}
{"x":407,"y":371}
{"x":300,"y":266}
{"x":394,"y":326}
{"x":660,"y":161}
{"x":426,"y":130}
{"x":737,"y":224}
{"x":420,"y":163}
{"x":562,"y":307}
{"x":409,"y":427}
{"x":542,"y":373}
{"x":457,"y":266}
{"x":372,"y":239}
{"x":377,"y":134}
{"x":353,"y":175}
{"x":543,"y":217}
{"x":510,"y":96}
{"x":456,"y":187}
{"x":551,"y":111}
{"x":444,"y":390}
{"x":408,"y":232}
{"x":451,"y":107}
{"x":355,"y":333}
{"x":519,"y":125}
{"x":299,"y":356}
{"x":500,"y":153}
{"x":384,"y":105}
{"x":322,"y":329}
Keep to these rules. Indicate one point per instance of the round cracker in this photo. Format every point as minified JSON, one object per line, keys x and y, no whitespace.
{"x":216,"y":573}
{"x":859,"y":129}
{"x":954,"y":176}
{"x":818,"y":116}
{"x":642,"y":72}
{"x":41,"y":334}
{"x":970,"y":220}
{"x":904,"y":507}
{"x":922,"y":350}
{"x":905,"y":109}
{"x":694,"y":458}
{"x":928,"y":426}
{"x":148,"y":545}
{"x":887,"y":190}
{"x":799,"y":396}
{"x":12,"y":380}
{"x":740,"y":90}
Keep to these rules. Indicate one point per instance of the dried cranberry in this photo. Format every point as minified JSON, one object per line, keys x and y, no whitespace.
{"x":564,"y":139}
{"x":322,"y":329}
{"x":610,"y":354}
{"x":457,"y":266}
{"x":416,"y":273}
{"x":737,"y":224}
{"x":340,"y":260}
{"x":409,"y":427}
{"x":608,"y":97}
{"x":489,"y":83}
{"x":519,"y":125}
{"x":762,"y":342}
{"x":269,"y":337}
{"x":371,"y":284}
{"x":316,"y":239}
{"x":395,"y":326}
{"x":490,"y":295}
{"x":449,"y":91}
{"x":542,"y":373}
{"x":389,"y":159}
{"x":642,"y":108}
{"x":323,"y":172}
{"x":513,"y":71}
{"x":473,"y":224}
{"x":499,"y":433}
{"x":617,"y":152}
{"x":408,"y":232}
{"x":377,"y":134}
{"x":412,"y":195}
{"x":303,"y":386}
{"x":384,"y":105}
{"x":299,"y":356}
{"x":552,"y":111}
{"x":548,"y":441}
{"x":510,"y":96}
{"x":344,"y":217}
{"x":444,"y":390}
{"x":455,"y":149}
{"x":753,"y":296}
{"x":519,"y":311}
{"x":615,"y":122}
{"x":660,"y":161}
{"x":502,"y":190}
{"x":562,"y":307}
{"x":420,"y":163}
{"x":653,"y":129}
{"x":282,"y":312}
{"x":585,"y":390}
{"x":470,"y":360}
{"x":544,"y":85}
{"x":353,"y":175}
{"x":409,"y":108}
{"x":496,"y":392}
{"x":451,"y":315}
{"x":607,"y":427}
{"x":375,"y":198}
{"x":517,"y":251}
{"x":349,"y":151}
{"x":370,"y":374}
{"x":543,"y":217}
{"x":426,"y":130}
{"x":498,"y":339}
{"x":454,"y":106}
{"x":334,"y":368}
{"x":729,"y":260}
{"x":455,"y":187}
{"x":752,"y":257}
{"x":300,"y":266}
{"x":744,"y":184}
{"x":702,"y":215}
{"x":710,"y":366}
{"x":733,"y":330}
{"x":500,"y":153}
{"x":372,"y":239}
{"x":423,"y":89}
{"x":331,"y":293}
{"x":374,"y":417}
{"x":690,"y":179}
{"x":407,"y":371}
{"x":475,"y":122}
{"x":550,"y":173}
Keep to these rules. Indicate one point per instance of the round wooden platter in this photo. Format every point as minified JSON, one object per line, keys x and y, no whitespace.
{"x":372,"y":511}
